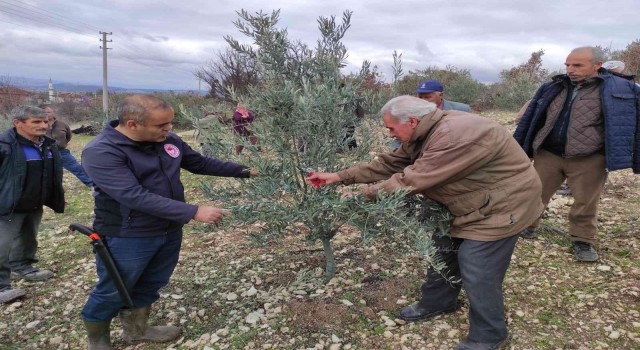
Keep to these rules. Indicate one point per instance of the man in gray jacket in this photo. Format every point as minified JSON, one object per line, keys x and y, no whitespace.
{"x":433,"y":91}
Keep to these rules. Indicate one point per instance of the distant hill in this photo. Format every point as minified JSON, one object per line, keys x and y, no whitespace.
{"x":43,"y":85}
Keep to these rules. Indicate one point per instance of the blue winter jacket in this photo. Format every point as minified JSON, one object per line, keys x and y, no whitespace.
{"x":138,"y":189}
{"x":620,"y":107}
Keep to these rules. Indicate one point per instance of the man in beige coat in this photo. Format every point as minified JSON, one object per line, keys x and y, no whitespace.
{"x":474,"y":167}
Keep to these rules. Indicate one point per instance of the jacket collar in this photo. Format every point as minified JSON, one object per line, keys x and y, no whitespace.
{"x":120,"y":139}
{"x":424,"y":127}
{"x":11,"y":136}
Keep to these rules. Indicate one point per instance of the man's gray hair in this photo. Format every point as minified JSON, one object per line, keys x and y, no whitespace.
{"x":22,"y":113}
{"x":137,"y":108}
{"x":403,"y":107}
{"x":596,"y":53}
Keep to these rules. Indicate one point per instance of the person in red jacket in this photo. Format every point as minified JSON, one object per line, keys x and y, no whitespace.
{"x":241,"y":118}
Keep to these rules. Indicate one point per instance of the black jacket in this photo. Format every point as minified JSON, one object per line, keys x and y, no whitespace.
{"x":13,"y":172}
{"x":138,"y":189}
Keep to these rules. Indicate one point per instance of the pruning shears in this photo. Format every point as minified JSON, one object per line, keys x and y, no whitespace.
{"x":315,"y":182}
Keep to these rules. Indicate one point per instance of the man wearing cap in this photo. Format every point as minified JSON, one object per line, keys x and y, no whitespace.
{"x":617,"y":67}
{"x":614,"y":66}
{"x":433,"y":91}
{"x":580,"y":126}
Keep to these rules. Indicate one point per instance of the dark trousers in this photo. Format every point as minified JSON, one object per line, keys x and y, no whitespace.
{"x":18,"y":245}
{"x":479,"y":267}
{"x":145,"y":265}
{"x":70,"y":163}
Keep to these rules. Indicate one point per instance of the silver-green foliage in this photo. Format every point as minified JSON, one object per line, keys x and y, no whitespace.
{"x":303,"y":108}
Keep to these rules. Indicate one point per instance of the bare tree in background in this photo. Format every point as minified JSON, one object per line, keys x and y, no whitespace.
{"x":227,"y":69}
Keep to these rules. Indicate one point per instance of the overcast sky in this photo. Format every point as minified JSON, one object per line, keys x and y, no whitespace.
{"x":158,"y":44}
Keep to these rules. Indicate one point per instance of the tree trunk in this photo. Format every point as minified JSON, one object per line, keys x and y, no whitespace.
{"x":330,"y":266}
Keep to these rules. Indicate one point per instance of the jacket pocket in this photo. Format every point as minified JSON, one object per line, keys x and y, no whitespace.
{"x":623,"y":104}
{"x":469,"y":208}
{"x":492,"y":208}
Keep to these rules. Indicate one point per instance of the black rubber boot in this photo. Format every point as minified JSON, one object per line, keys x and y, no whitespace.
{"x":98,"y":334}
{"x":135,"y":327}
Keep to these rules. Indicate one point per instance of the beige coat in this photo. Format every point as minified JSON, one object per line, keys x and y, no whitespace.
{"x":469,"y":163}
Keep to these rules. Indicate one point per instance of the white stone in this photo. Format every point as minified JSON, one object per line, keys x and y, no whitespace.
{"x":56,"y":340}
{"x":255,"y":316}
{"x":335,"y":339}
{"x":32,"y":324}
{"x":520,"y":313}
{"x":232,"y":296}
{"x":614,"y":335}
{"x":346,"y":302}
{"x":177,"y":296}
{"x":604,"y":268}
{"x":252,"y":291}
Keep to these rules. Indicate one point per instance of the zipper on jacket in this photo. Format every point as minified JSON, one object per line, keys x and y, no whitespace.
{"x":170,"y":186}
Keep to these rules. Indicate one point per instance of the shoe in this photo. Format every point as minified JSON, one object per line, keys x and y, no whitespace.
{"x":584,"y":251}
{"x":98,"y":334}
{"x":135,"y":327}
{"x":564,"y":190}
{"x":528,"y":233}
{"x":35,"y":275}
{"x":415,"y":312}
{"x":474,"y":345}
{"x":9,"y":295}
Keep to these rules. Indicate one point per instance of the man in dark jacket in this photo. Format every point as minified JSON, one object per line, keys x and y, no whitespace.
{"x":578,"y":127}
{"x":140,"y":210}
{"x":30,"y":177}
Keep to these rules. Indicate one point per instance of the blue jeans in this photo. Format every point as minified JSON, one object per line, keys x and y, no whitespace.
{"x":145,"y":265}
{"x":70,"y":163}
{"x":18,"y":245}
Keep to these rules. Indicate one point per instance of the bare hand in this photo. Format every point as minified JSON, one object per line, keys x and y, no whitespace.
{"x":253,"y":172}
{"x":322,"y":179}
{"x":210,"y":215}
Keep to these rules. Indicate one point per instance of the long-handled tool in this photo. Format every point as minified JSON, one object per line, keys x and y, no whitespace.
{"x":105,"y":256}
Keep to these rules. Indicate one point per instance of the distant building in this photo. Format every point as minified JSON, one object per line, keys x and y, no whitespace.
{"x":11,"y":97}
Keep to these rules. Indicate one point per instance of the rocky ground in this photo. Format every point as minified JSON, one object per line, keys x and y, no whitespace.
{"x":228,"y":293}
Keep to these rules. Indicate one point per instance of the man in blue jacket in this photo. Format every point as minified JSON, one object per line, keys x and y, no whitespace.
{"x":140,"y":210}
{"x":30,"y":177}
{"x":578,"y":127}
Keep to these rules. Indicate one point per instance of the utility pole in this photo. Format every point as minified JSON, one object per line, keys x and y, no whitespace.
{"x":105,"y":94}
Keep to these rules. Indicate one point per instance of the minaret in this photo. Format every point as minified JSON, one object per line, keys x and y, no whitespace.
{"x":51,"y":98}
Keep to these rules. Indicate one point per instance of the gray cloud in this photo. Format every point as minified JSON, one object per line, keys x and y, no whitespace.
{"x":160,"y":43}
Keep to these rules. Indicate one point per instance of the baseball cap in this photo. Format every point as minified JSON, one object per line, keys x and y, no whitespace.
{"x":430,"y":86}
{"x":613,"y":65}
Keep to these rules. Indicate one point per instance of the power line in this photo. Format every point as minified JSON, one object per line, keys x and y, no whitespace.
{"x":50,"y":14}
{"x":51,"y":19}
{"x":41,"y":21}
